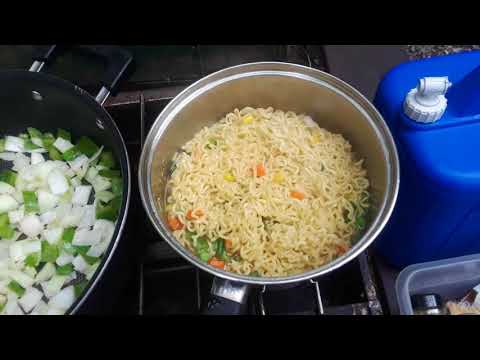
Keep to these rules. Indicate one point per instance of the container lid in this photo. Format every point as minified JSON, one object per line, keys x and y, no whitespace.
{"x":427,"y":102}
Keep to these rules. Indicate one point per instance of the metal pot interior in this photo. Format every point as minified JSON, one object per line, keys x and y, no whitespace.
{"x":333,"y":104}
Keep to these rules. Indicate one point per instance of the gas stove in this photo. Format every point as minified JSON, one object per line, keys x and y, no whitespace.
{"x":165,"y":283}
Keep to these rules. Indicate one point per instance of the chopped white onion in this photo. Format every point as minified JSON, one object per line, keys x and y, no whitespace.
{"x":79,"y":264}
{"x":62,"y":145}
{"x":16,"y":216}
{"x":48,"y":217}
{"x":106,"y":227}
{"x":73,"y":217}
{"x":78,"y":162}
{"x":40,"y":309}
{"x":45,"y":273}
{"x":91,"y":175}
{"x":24,"y":280}
{"x":53,"y":235}
{"x":30,"y":271}
{"x":31,"y":225}
{"x":6,"y":188}
{"x":85,"y":237}
{"x":88,"y":218}
{"x":30,"y":246}
{"x":4,"y":286}
{"x":37,"y":141}
{"x":13,"y":143}
{"x":75,"y":181}
{"x":57,"y":182}
{"x":81,"y":195}
{"x":64,"y":259}
{"x":101,"y":183}
{"x":7,"y":156}
{"x":70,"y":173}
{"x":64,"y":299}
{"x":7,"y":203}
{"x":91,"y":270}
{"x":54,"y":311}
{"x":4,"y":253}
{"x":43,"y":169}
{"x":98,"y":249}
{"x":30,"y":299}
{"x":46,"y":201}
{"x":37,"y":158}
{"x":20,"y":162}
{"x":53,"y":286}
{"x":16,"y":251}
{"x":18,"y":196}
{"x":12,"y":308}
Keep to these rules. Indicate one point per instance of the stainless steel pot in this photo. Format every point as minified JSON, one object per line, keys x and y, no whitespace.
{"x":331,"y":102}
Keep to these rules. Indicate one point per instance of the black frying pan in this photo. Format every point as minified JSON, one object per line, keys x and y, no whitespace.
{"x":32,"y":98}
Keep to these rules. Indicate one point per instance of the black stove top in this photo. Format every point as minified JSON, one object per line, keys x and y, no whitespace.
{"x":165,"y":283}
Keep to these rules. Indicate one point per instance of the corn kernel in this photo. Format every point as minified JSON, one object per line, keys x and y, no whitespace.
{"x":247,"y":119}
{"x":316,"y":139}
{"x":229,"y":177}
{"x":278,"y":178}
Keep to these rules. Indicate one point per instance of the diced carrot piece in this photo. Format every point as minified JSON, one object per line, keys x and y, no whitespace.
{"x":217,"y":263}
{"x":297,"y":195}
{"x":174,"y":223}
{"x":261,"y":170}
{"x":198,"y":213}
{"x":341,"y":249}
{"x":228,"y":245}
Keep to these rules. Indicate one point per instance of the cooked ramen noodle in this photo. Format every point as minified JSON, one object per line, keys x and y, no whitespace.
{"x":267,"y":193}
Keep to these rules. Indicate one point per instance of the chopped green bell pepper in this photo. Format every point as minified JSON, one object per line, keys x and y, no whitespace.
{"x":29,"y":145}
{"x":109,"y":211}
{"x":110,"y":173}
{"x":64,"y":134}
{"x":66,"y":269}
{"x":107,"y":160}
{"x":71,"y":154}
{"x":49,"y":252}
{"x":68,"y":234}
{"x":31,"y":202}
{"x":16,"y":288}
{"x":32,"y":260}
{"x":48,"y":139}
{"x":8,"y":176}
{"x":117,"y":186}
{"x":80,"y":287}
{"x":86,"y":146}
{"x":34,"y":133}
{"x":82,"y":250}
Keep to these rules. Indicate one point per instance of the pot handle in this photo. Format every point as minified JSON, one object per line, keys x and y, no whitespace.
{"x":117,"y":61}
{"x":227,"y":298}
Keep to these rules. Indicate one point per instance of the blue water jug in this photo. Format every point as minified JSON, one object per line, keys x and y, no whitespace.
{"x":437,"y":215}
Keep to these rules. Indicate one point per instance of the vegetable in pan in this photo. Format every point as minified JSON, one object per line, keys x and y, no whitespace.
{"x":59,"y":202}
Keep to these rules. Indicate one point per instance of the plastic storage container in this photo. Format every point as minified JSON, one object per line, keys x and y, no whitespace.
{"x":437,"y":215}
{"x":450,"y":278}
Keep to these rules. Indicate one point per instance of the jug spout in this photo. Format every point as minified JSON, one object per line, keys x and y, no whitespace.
{"x":463,"y":97}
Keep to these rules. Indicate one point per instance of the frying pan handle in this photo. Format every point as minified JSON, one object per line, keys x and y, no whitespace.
{"x":116,"y":59}
{"x":227,"y":298}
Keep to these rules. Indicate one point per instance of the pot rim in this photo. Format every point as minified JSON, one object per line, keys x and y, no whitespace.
{"x":233,"y":73}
